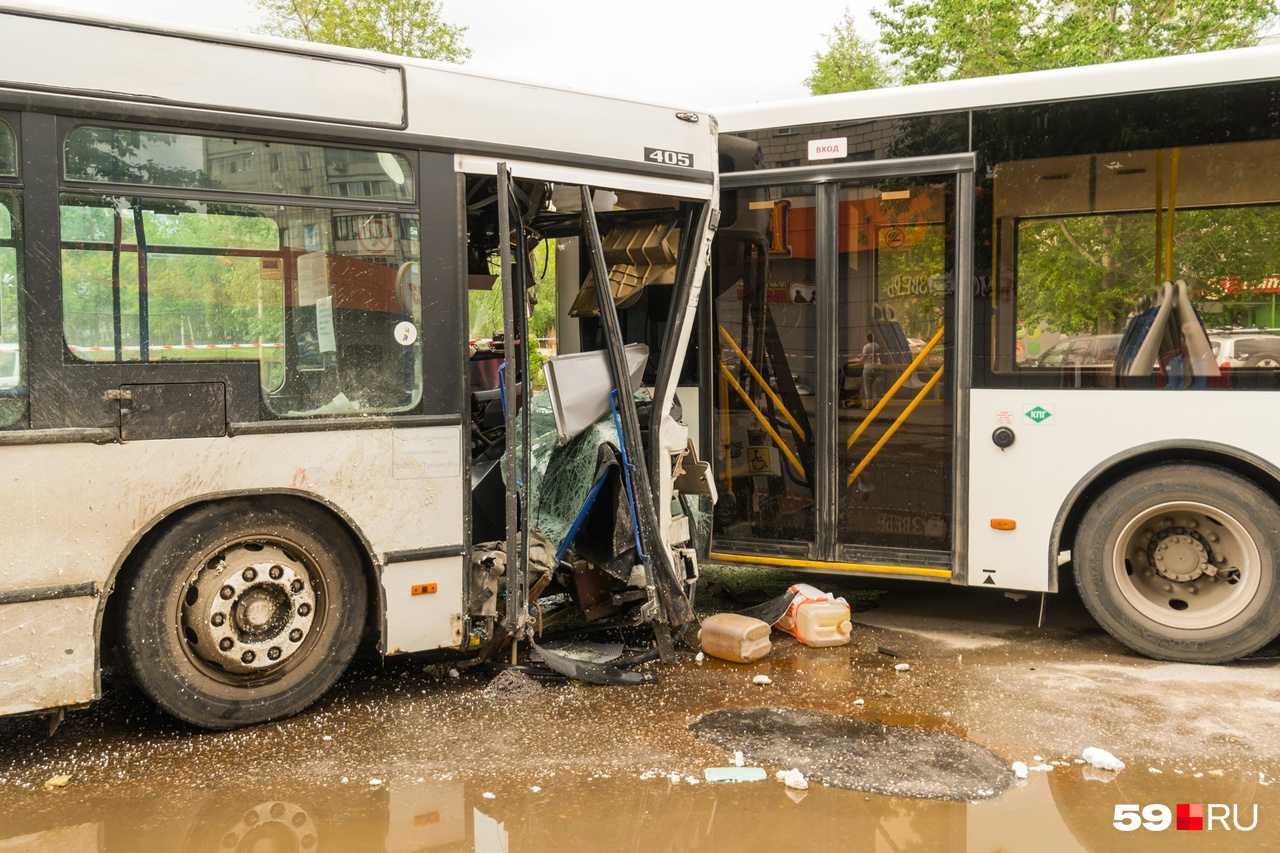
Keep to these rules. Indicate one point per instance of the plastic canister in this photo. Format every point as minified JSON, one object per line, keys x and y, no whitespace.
{"x":817,"y":618}
{"x":731,"y":636}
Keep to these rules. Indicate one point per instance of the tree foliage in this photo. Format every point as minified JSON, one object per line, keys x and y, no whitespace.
{"x":931,"y":40}
{"x":849,"y":64}
{"x":401,"y":27}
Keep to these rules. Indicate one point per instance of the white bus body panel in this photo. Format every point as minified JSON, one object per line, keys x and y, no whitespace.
{"x":1053,"y":453}
{"x":289,"y":79}
{"x":1032,"y":87}
{"x":401,"y":489}
{"x":63,"y":57}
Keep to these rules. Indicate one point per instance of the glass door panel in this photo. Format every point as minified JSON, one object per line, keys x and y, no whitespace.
{"x":894,"y":419}
{"x":765,"y":373}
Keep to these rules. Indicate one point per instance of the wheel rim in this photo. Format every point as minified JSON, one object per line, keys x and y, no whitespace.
{"x":1268,"y":361}
{"x":251,"y":612}
{"x":272,"y":827}
{"x":1186,"y":565}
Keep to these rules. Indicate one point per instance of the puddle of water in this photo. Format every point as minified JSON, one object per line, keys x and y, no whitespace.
{"x":1061,"y":810}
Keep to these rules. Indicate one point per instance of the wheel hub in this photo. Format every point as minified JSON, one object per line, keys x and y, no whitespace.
{"x":270,"y":827}
{"x":249,"y":609}
{"x":1180,"y":555}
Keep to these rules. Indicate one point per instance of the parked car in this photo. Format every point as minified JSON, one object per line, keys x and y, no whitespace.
{"x":1079,"y":351}
{"x":1248,"y":349}
{"x":10,"y":366}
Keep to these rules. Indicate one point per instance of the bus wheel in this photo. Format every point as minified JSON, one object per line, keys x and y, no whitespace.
{"x":243,"y":612}
{"x":1177,"y":563}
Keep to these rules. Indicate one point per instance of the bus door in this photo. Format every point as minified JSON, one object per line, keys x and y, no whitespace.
{"x":834,"y":360}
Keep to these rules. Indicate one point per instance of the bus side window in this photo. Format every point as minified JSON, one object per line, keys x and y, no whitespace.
{"x":324,"y":295}
{"x":13,"y":391}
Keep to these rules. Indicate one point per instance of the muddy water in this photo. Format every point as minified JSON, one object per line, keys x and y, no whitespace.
{"x":980,"y":670}
{"x":1060,"y":810}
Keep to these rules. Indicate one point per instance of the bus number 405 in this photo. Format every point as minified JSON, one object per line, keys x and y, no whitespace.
{"x":668,"y":158}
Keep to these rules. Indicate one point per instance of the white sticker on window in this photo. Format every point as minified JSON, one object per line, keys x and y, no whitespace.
{"x":406,"y":333}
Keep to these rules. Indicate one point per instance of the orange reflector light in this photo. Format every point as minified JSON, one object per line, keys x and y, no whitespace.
{"x":1003,"y":523}
{"x":424,"y":589}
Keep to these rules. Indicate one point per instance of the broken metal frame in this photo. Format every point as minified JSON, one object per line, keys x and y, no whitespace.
{"x":668,"y":608}
{"x":668,"y":605}
{"x":515,"y":412}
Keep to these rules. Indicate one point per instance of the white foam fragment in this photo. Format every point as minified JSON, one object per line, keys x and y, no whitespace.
{"x":490,"y":796}
{"x":1102,"y":759}
{"x":859,"y":702}
{"x":1041,"y":768}
{"x":536,"y":789}
{"x":738,"y":760}
{"x":903,"y":667}
{"x":1019,"y":769}
{"x":700,"y":657}
{"x":762,"y":679}
{"x":375,"y":782}
{"x":793,"y":779}
{"x":1155,"y":770}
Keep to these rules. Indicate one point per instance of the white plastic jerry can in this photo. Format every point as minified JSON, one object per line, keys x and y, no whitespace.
{"x":731,"y":636}
{"x":816,"y":618}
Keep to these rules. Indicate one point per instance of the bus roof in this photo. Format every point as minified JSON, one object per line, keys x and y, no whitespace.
{"x":61,"y":54}
{"x":1061,"y":84}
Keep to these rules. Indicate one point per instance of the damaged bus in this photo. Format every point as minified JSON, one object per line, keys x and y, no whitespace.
{"x":241,"y":422}
{"x":988,"y":332}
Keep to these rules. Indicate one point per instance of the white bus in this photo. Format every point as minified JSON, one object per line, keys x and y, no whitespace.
{"x":240,"y":420}
{"x":988,"y":332}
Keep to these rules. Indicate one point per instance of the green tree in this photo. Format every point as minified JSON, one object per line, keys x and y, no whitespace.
{"x":849,"y":64}
{"x":931,"y":40}
{"x":400,"y":27}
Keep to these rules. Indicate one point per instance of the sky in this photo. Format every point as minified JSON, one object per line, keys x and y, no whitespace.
{"x":696,"y":53}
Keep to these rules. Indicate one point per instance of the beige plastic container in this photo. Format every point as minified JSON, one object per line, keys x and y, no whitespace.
{"x":816,"y":618}
{"x":730,"y":636}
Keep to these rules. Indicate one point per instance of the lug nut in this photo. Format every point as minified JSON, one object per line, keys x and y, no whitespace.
{"x":295,"y":635}
{"x":225,"y":644}
{"x":227,"y":593}
{"x":250,"y":574}
{"x":248,"y":657}
{"x":304,"y":609}
{"x":218,"y":620}
{"x":274,"y":653}
{"x":276,"y":573}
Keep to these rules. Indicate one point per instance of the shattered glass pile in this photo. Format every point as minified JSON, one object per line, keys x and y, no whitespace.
{"x":561,"y":477}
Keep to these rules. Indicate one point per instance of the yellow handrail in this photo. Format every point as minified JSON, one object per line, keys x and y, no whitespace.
{"x":866,"y":422}
{"x":763,"y":384}
{"x":764,"y":422}
{"x":1173,"y":206}
{"x":884,"y":439}
{"x":726,"y":436}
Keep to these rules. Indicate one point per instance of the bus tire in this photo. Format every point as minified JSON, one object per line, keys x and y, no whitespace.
{"x":1177,"y":563}
{"x":244,"y":612}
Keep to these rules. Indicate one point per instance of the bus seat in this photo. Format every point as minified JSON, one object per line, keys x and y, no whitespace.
{"x":1198,"y":353}
{"x":1140,"y":345}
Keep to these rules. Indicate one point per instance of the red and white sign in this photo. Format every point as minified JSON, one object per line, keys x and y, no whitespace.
{"x":374,"y":236}
{"x":829,"y":149}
